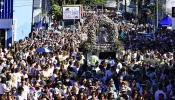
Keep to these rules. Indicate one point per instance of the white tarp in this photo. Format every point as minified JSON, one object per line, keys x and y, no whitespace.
{"x":169,"y":5}
{"x":110,"y":3}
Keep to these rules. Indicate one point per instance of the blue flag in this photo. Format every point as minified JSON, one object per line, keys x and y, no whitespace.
{"x":43,"y":20}
{"x":40,"y":24}
{"x":150,"y":22}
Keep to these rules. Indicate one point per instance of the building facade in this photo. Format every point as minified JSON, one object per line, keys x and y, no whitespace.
{"x":6,"y":18}
{"x":22,"y":19}
{"x":15,"y":20}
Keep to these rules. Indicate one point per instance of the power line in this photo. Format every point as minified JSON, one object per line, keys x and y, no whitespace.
{"x":22,"y":0}
{"x":23,"y":6}
{"x":32,"y":19}
{"x":22,"y":3}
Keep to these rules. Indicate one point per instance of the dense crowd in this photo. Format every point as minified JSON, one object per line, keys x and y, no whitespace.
{"x":143,"y":37}
{"x":144,"y":71}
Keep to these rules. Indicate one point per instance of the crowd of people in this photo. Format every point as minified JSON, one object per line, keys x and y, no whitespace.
{"x":141,"y":72}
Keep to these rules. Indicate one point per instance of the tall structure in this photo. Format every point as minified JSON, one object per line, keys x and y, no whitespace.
{"x":6,"y":17}
{"x":173,"y":17}
{"x":169,"y":5}
{"x":15,"y":20}
{"x":40,"y":10}
{"x":37,"y":13}
{"x":22,"y":18}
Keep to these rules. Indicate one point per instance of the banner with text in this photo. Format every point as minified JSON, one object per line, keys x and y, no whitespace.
{"x":71,"y":12}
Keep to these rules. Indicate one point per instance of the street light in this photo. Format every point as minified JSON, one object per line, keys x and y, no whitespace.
{"x":156,"y":13}
{"x":155,"y":5}
{"x":136,"y":17}
{"x":74,"y":18}
{"x":32,"y":19}
{"x":125,"y":6}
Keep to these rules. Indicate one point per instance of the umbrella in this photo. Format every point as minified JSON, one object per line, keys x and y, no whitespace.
{"x":118,"y":13}
{"x":167,"y":21}
{"x":43,"y":50}
{"x":57,"y":32}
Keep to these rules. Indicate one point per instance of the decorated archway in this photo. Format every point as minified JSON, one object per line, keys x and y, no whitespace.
{"x":108,"y":37}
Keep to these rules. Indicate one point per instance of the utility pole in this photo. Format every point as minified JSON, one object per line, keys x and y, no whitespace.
{"x":125,"y":6}
{"x":118,"y":5}
{"x":136,"y":17}
{"x":74,"y":20}
{"x":46,"y":5}
{"x":32,"y":20}
{"x":156,"y":15}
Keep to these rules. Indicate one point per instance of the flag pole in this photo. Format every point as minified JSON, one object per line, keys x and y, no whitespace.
{"x":32,"y":20}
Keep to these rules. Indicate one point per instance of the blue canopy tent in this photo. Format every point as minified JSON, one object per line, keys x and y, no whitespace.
{"x":167,"y":21}
{"x":119,"y":11}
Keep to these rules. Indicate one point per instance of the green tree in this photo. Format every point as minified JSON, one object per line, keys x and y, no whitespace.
{"x":91,"y":2}
{"x":56,"y":10}
{"x":52,"y":2}
{"x":98,"y":2}
{"x":84,"y":2}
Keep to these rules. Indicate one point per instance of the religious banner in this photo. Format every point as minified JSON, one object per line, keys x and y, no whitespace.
{"x":71,"y":12}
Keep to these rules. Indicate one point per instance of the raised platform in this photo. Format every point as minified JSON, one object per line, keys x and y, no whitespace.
{"x":106,"y":47}
{"x":103,"y":55}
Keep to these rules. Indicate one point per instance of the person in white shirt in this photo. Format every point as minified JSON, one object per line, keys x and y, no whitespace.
{"x":51,"y":69}
{"x":96,"y":68}
{"x":158,"y":92}
{"x":1,"y":53}
{"x":2,"y":87}
{"x":119,"y":65}
{"x":20,"y":92}
{"x":55,"y":74}
{"x":25,"y":93}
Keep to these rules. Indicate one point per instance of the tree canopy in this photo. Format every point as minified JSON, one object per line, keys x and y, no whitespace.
{"x":91,"y":2}
{"x":98,"y":2}
{"x":56,"y":9}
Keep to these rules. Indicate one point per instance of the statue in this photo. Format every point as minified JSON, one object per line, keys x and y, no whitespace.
{"x":102,"y":35}
{"x":102,"y":38}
